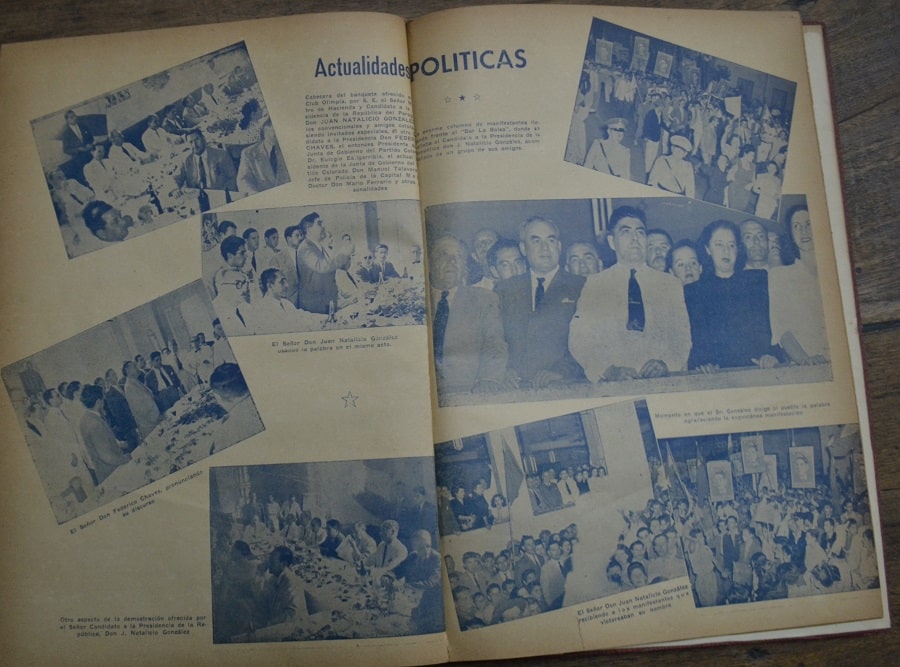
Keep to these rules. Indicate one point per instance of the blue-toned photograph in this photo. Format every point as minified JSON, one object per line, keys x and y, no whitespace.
{"x":766,"y":515}
{"x":333,"y":550}
{"x":555,"y":299}
{"x":684,"y":121}
{"x":541,"y":516}
{"x":315,"y":268}
{"x":130,"y":401}
{"x":172,"y":145}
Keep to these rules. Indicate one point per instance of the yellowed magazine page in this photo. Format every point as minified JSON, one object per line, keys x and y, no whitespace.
{"x":629,"y":456}
{"x":216,"y":400}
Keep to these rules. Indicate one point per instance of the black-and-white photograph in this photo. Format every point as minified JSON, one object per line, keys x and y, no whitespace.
{"x":801,"y":529}
{"x":130,"y":401}
{"x":179,"y":142}
{"x":684,"y":121}
{"x":554,"y":299}
{"x":335,"y":550}
{"x":315,"y":268}
{"x":541,"y":516}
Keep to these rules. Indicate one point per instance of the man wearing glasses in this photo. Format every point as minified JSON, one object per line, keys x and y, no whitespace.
{"x":610,"y":155}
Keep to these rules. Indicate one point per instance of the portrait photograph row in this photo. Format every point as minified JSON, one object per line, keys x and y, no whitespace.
{"x":551,"y":299}
{"x":684,"y":121}
{"x":317,"y":551}
{"x":298,"y":269}
{"x":169,"y":146}
{"x":538,"y":516}
{"x":130,"y":401}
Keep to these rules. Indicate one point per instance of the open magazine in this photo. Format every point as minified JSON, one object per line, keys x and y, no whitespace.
{"x":463,"y":338}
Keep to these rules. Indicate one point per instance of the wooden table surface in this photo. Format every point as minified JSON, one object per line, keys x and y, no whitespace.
{"x":864,"y":49}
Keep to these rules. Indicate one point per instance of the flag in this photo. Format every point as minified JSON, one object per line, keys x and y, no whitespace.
{"x":676,"y":491}
{"x":514,"y":474}
{"x":702,"y":476}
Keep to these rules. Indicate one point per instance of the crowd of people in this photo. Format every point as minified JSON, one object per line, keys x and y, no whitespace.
{"x":260,"y":287}
{"x":766,"y":544}
{"x":698,"y":136}
{"x":166,"y":166}
{"x":525,"y":579}
{"x":272,"y":553}
{"x":83,"y":430}
{"x":551,"y":490}
{"x":524,"y":314}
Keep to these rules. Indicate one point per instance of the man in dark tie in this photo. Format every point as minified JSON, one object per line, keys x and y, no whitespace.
{"x":253,"y":264}
{"x":287,"y":262}
{"x":163,"y":381}
{"x":77,"y":141}
{"x":637,"y":312}
{"x":206,"y":168}
{"x":117,"y":410}
{"x":469,"y":350}
{"x":536,"y":308}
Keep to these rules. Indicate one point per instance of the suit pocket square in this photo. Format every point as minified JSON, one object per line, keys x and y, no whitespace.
{"x":567,"y":300}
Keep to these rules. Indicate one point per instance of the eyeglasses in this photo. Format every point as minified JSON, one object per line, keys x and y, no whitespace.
{"x":238,"y":283}
{"x":617,"y":129}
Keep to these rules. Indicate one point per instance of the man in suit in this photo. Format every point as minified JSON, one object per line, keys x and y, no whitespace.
{"x":262,"y":164}
{"x":206,"y":168}
{"x":553,"y":582}
{"x":631,"y":320}
{"x":317,"y":265}
{"x":469,"y":350}
{"x":536,"y":308}
{"x":105,"y":450}
{"x":163,"y":381}
{"x":381,"y":268}
{"x":286,"y":261}
{"x":119,"y":412}
{"x":366,"y":271}
{"x":653,"y":131}
{"x":77,"y":141}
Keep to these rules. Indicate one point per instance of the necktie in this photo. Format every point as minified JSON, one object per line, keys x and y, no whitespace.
{"x":635,"y":304}
{"x":273,"y":160}
{"x":539,"y":293}
{"x":441,"y":315}
{"x":76,"y":198}
{"x":237,"y":311}
{"x":253,"y":261}
{"x":127,"y":154}
{"x":202,"y":171}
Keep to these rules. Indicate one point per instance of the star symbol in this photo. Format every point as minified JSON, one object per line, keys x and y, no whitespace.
{"x":447,"y":99}
{"x":462,"y":98}
{"x":350,"y":400}
{"x":477,"y":96}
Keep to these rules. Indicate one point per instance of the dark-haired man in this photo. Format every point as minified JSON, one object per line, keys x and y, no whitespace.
{"x":317,"y":265}
{"x":638,"y":313}
{"x":106,"y":222}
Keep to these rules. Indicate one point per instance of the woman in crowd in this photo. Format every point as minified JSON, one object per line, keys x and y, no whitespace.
{"x":499,"y":508}
{"x":796,"y":307}
{"x":728,"y":307}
